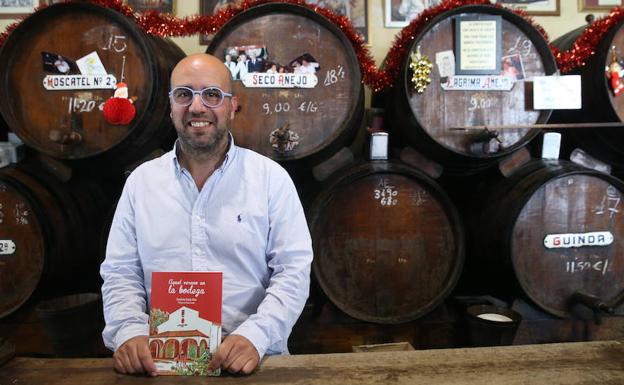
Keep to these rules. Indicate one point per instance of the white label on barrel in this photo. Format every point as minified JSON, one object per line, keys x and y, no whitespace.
{"x":279,"y":80}
{"x":596,"y":238}
{"x":79,"y":82}
{"x":7,"y":247}
{"x":478,"y":83}
{"x":495,"y":317}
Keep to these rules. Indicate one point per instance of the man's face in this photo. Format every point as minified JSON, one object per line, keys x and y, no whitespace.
{"x":202,"y":128}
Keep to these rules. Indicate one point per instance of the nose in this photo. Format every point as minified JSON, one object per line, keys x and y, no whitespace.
{"x":197,"y":105}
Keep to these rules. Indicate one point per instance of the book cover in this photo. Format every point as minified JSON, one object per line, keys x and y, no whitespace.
{"x":185,"y":322}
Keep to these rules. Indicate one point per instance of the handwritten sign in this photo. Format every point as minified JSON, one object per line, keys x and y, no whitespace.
{"x":547,"y":91}
{"x":79,"y":82}
{"x":479,"y":44}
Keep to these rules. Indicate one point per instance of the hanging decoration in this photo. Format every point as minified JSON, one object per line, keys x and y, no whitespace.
{"x":119,"y":109}
{"x":615,"y":73}
{"x":420,"y":66}
{"x":376,"y":78}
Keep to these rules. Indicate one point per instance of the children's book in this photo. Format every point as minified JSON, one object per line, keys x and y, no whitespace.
{"x":185,"y":322}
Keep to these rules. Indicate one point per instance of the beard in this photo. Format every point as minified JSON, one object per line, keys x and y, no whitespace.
{"x":202,"y":143}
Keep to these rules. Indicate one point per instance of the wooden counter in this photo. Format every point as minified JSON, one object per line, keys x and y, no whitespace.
{"x":567,"y":363}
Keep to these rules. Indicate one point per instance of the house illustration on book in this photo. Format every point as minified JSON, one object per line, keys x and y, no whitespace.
{"x":184,"y":336}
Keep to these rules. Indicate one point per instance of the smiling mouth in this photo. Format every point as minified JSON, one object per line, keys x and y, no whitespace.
{"x":196,"y":124}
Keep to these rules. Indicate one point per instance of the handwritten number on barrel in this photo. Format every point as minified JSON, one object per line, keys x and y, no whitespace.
{"x":116,"y":43}
{"x":333,"y":75}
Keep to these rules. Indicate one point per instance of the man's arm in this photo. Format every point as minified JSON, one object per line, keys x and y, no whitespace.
{"x":124,"y":295}
{"x":289,"y":254}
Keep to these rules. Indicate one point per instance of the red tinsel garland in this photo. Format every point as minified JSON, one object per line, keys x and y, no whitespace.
{"x":377,"y":78}
{"x":584,"y":46}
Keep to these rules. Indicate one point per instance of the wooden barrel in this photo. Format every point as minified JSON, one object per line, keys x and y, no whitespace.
{"x":598,"y":100}
{"x":312,"y":108}
{"x":53,"y":86}
{"x":557,"y":228}
{"x":48,"y":235}
{"x":426,"y":121}
{"x":388,"y":244}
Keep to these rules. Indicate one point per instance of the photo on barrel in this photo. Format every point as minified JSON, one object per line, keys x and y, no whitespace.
{"x":512,"y":66}
{"x":244,"y":59}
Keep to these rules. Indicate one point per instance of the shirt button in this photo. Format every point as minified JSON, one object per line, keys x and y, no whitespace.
{"x":197,"y":251}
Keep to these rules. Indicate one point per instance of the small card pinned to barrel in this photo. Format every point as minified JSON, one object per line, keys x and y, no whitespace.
{"x":58,"y":64}
{"x":548,"y":91}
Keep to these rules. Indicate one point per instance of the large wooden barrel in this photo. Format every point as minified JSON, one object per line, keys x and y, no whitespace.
{"x":388,"y":244}
{"x":557,"y":228}
{"x":302,"y":124}
{"x":426,"y":121}
{"x":48,"y":235}
{"x":54,"y":106}
{"x":599,"y":103}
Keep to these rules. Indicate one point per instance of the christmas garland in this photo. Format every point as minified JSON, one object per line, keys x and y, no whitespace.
{"x":376,"y":78}
{"x":585,"y":44}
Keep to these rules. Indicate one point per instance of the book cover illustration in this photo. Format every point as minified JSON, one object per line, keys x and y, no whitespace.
{"x":185,"y":322}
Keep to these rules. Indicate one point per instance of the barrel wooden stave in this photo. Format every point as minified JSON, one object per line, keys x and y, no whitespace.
{"x":325,"y":117}
{"x":54,"y":226}
{"x":553,"y":198}
{"x":41,"y":116}
{"x":599,"y":104}
{"x":385,"y":254}
{"x":425,"y":120}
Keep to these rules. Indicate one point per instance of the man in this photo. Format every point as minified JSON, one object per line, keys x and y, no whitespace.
{"x":231,"y":65}
{"x":208,"y":205}
{"x":242,"y":66}
{"x":255,"y":64}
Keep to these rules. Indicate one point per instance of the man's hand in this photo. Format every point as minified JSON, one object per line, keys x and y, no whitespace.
{"x":134,"y":356}
{"x":236,"y":354}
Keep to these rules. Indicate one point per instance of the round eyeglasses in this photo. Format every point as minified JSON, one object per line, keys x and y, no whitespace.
{"x":211,"y":97}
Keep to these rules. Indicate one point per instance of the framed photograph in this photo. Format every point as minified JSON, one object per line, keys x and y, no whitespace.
{"x":355,"y":10}
{"x":162,"y":6}
{"x":399,"y":13}
{"x":210,"y":7}
{"x":13,"y":8}
{"x":534,"y":7}
{"x":599,"y":5}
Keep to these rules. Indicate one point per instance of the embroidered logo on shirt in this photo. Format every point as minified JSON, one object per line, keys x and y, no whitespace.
{"x":239,"y":218}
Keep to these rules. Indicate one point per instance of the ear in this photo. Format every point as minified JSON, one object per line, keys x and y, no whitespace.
{"x":234,"y":105}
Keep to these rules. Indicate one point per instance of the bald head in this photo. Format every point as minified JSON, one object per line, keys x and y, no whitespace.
{"x":201,"y":68}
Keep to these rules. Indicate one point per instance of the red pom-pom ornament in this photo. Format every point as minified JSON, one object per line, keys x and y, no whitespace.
{"x":119,"y":111}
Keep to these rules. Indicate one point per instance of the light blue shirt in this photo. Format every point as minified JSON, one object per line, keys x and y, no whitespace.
{"x":247,"y":221}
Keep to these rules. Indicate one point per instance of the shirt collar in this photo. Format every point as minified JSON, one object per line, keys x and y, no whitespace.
{"x":229,"y":156}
